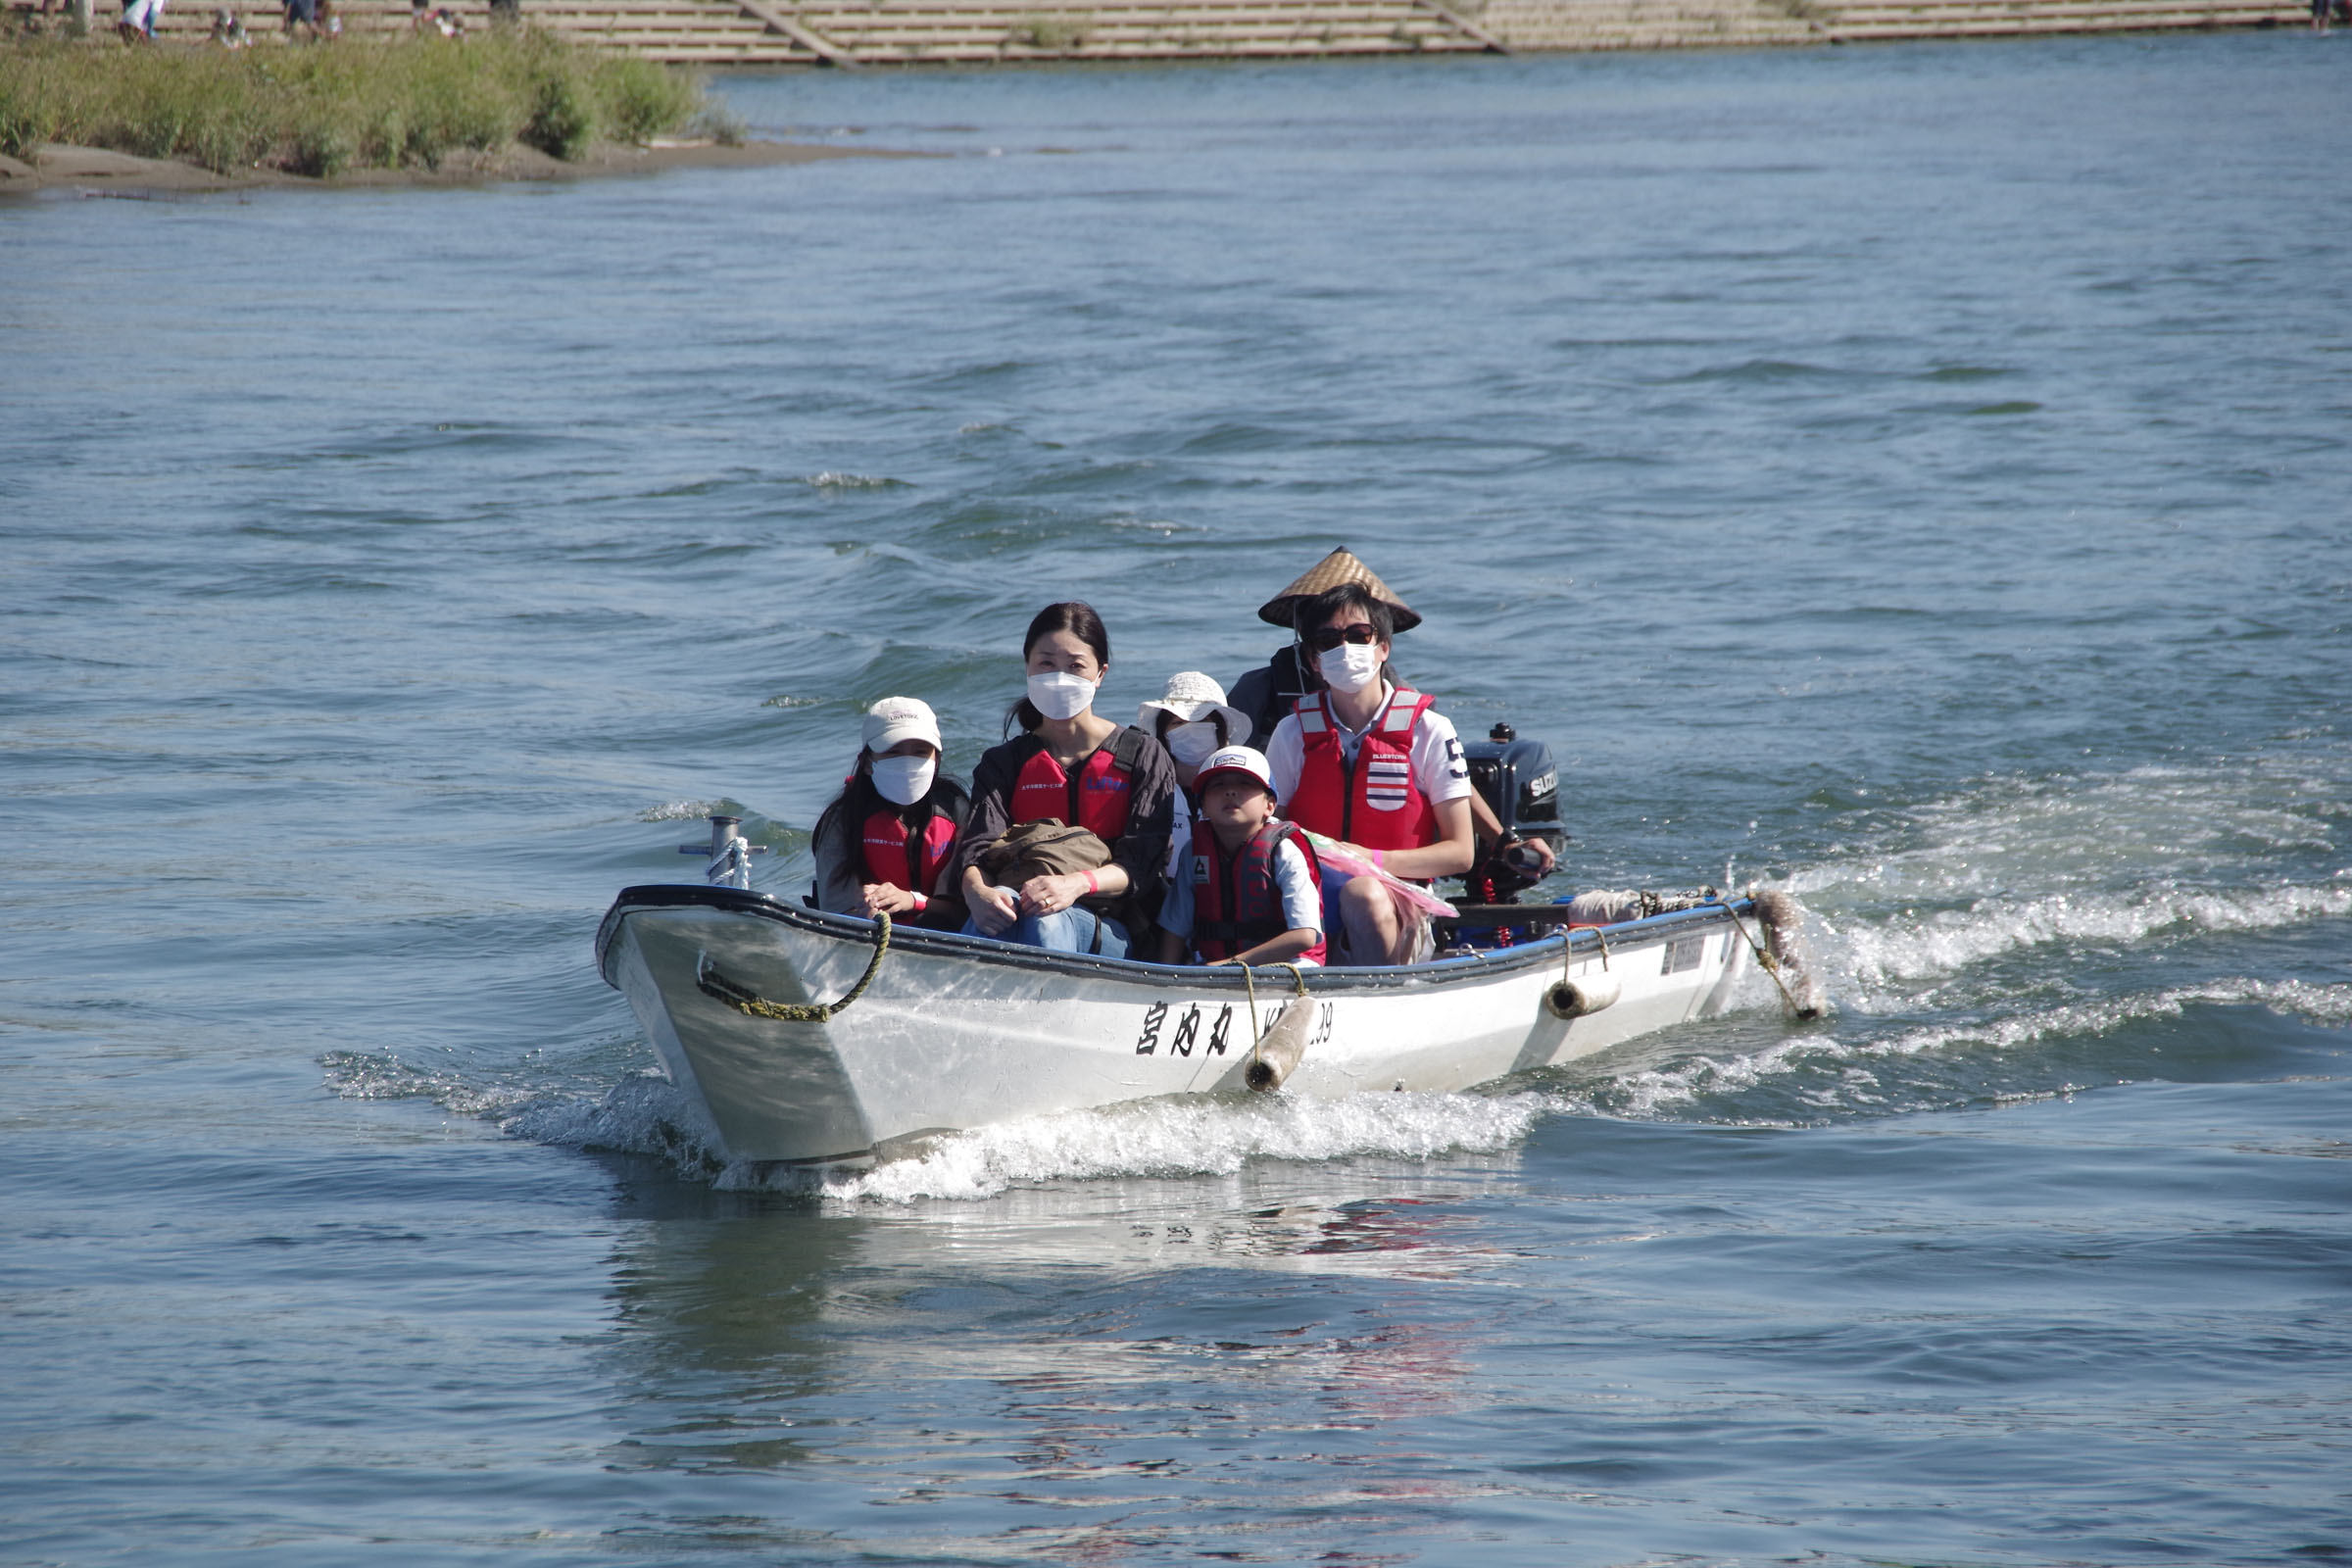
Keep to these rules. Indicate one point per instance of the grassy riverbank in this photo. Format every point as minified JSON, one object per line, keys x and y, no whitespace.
{"x":326,"y":108}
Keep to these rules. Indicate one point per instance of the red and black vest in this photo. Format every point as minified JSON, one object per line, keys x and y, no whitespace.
{"x":911,"y":860}
{"x":1375,"y":803}
{"x":1097,"y":799}
{"x":1236,"y":902}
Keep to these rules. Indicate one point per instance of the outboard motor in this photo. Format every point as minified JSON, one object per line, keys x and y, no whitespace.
{"x":1519,"y":781}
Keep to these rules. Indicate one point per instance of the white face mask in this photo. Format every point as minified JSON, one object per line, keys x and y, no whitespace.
{"x":1350,"y":666}
{"x":903,"y":780}
{"x":1060,"y":696}
{"x":1192,"y":744}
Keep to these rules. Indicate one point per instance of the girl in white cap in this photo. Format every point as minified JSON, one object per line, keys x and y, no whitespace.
{"x":887,"y":843}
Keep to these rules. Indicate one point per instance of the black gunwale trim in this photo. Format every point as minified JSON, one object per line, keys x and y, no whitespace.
{"x":1544,"y":951}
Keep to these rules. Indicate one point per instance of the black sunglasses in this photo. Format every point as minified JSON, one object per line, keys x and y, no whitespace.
{"x":1323,"y":639}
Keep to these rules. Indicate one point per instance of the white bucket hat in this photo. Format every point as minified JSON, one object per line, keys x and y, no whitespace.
{"x":1237,"y":759}
{"x":1192,"y":697}
{"x":899,"y":719}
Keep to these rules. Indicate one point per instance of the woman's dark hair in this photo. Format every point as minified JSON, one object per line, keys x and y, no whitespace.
{"x":1078,"y":618}
{"x":1311,"y":613}
{"x":859,"y":799}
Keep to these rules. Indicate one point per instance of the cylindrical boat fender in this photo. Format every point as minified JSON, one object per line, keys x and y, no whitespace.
{"x":1784,"y":921}
{"x":1574,"y":998}
{"x":1279,"y":1047}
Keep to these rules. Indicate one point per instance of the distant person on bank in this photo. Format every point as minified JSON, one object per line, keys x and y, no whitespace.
{"x":140,"y":17}
{"x":887,"y":843}
{"x":1371,"y":765}
{"x":1072,"y":766}
{"x":1251,"y":890}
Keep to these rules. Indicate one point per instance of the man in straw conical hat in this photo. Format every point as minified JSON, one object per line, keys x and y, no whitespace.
{"x":1269,"y":692}
{"x":1414,"y":773}
{"x":1366,"y":763}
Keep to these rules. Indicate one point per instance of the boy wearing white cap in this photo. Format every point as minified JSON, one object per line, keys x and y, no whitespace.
{"x":888,"y":841}
{"x":1253,"y":893}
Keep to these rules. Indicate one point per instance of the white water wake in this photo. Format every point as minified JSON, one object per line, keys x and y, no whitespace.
{"x":1849,"y":1074}
{"x":647,"y":1114}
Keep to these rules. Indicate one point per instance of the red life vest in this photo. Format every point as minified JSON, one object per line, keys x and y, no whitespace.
{"x":1096,"y":800}
{"x":1236,"y":902}
{"x":904,"y":860}
{"x":1376,"y":804}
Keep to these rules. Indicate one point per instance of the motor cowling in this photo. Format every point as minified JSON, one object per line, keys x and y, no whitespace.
{"x":1520,"y":783}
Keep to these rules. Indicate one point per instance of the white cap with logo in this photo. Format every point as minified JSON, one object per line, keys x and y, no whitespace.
{"x":1236,"y":760}
{"x":899,"y":719}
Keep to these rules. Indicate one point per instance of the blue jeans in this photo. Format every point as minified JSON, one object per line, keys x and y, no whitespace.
{"x":1072,"y":930}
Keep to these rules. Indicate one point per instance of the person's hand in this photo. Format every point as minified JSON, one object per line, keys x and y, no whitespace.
{"x":1545,"y":859}
{"x":1050,"y":895}
{"x":887,"y":898}
{"x":993,"y":908}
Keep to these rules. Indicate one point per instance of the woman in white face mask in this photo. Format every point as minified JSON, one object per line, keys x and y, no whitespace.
{"x":888,"y":842}
{"x":1070,"y":765}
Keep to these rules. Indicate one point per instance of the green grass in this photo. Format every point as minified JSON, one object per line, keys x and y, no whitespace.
{"x":322,"y":109}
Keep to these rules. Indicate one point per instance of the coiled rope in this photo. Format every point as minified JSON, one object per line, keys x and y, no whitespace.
{"x":713,"y":984}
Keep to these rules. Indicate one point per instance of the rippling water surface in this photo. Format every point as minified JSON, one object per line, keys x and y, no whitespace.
{"x":1915,"y":477}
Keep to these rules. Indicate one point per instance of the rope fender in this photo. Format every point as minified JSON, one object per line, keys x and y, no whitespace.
{"x":718,"y":987}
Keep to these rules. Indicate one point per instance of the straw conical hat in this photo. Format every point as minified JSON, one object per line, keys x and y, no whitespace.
{"x":1332,"y":570}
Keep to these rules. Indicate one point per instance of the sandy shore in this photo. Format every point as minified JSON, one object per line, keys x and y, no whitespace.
{"x":91,"y":170}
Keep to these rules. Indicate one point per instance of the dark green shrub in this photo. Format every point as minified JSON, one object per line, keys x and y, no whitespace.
{"x":562,"y":116}
{"x":638,"y":100}
{"x":326,"y":110}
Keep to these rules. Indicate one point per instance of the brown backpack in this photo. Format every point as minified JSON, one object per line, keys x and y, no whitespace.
{"x":1044,"y":848}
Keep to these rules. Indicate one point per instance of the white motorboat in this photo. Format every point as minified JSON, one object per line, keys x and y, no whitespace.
{"x":742,"y":995}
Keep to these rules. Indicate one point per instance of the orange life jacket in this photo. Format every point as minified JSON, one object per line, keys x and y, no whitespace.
{"x":1096,"y":800}
{"x":902,"y":858}
{"x":1375,"y":803}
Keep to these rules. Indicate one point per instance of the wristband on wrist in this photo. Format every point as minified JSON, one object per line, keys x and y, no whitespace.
{"x":1093,"y":883}
{"x":1379,"y":861}
{"x":922,"y":901}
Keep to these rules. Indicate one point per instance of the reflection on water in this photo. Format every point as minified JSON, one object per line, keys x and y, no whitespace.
{"x":751,"y":1328}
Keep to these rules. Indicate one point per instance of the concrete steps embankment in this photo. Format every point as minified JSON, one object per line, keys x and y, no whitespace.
{"x":760,"y":33}
{"x":774,"y":33}
{"x":1683,"y":24}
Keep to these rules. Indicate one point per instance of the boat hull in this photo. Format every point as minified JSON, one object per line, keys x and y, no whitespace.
{"x":956,"y":1032}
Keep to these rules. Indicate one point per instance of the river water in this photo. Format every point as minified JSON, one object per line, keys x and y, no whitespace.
{"x":1914,"y":476}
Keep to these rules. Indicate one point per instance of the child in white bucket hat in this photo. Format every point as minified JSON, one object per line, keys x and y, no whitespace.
{"x":1191,"y":719}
